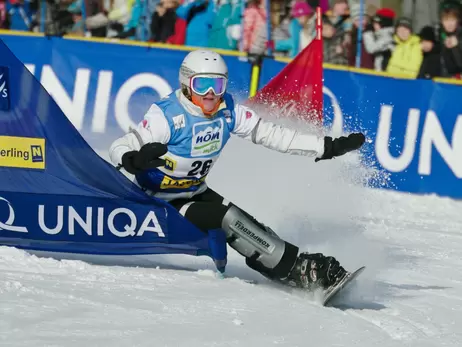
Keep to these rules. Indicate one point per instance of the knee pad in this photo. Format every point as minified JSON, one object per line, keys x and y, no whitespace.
{"x":265,"y":252}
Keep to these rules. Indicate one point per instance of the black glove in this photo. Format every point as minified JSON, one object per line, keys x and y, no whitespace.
{"x":341,"y":145}
{"x":146,"y":158}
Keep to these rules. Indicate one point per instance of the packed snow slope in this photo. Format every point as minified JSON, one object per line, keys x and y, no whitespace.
{"x":408,"y":296}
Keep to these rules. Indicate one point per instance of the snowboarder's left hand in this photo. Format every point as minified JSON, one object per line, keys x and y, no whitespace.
{"x":340,"y":146}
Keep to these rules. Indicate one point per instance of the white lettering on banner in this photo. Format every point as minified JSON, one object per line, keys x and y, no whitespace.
{"x":59,"y":223}
{"x":129,"y":230}
{"x":75,"y":217}
{"x":100,"y":222}
{"x":8,"y":224}
{"x":150,"y":222}
{"x":103,"y":95}
{"x":433,"y":135}
{"x":134,"y":83}
{"x":31,"y":68}
{"x":337,"y":122}
{"x":382,"y":140}
{"x":74,"y":107}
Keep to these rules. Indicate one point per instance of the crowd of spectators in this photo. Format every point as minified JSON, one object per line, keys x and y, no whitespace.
{"x":386,"y":41}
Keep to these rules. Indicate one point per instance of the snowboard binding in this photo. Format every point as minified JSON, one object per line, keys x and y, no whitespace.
{"x":313,"y":271}
{"x":316,"y":271}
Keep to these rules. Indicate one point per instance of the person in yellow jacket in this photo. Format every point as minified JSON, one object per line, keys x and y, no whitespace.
{"x":407,"y":55}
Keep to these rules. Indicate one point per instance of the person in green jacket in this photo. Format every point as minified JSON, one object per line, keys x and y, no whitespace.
{"x":407,"y":55}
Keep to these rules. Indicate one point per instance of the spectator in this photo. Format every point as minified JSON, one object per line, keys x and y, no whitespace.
{"x":338,"y":16}
{"x":163,"y":21}
{"x":367,"y":59}
{"x":254,"y":21}
{"x":226,"y":24}
{"x":21,"y":14}
{"x":324,"y":4}
{"x":379,"y":41}
{"x":96,"y":21}
{"x":451,"y":39}
{"x":119,"y":15}
{"x":302,"y":29}
{"x":179,"y":33}
{"x":431,"y":64}
{"x":407,"y":57}
{"x":77,"y":28}
{"x":198,"y":15}
{"x":280,"y":31}
{"x":61,"y":19}
{"x":130,"y":29}
{"x":334,"y":48}
{"x":4,"y":17}
{"x":336,"y":26}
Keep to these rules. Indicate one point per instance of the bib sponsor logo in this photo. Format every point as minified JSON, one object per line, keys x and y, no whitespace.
{"x":179,"y":121}
{"x":171,"y":183}
{"x":207,"y":138}
{"x":170,"y":164}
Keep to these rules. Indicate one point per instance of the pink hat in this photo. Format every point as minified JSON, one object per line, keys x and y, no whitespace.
{"x":301,"y":8}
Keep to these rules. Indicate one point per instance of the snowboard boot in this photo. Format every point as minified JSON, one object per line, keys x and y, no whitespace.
{"x":312,"y":271}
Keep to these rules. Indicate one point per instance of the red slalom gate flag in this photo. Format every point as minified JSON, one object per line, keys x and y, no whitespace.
{"x":297,"y":90}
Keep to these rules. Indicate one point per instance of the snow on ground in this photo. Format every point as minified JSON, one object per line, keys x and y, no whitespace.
{"x":408,"y":296}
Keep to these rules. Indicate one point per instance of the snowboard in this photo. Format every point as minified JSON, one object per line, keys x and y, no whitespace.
{"x":333,"y":291}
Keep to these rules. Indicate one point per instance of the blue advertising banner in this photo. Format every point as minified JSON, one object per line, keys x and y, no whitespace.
{"x":52,"y":197}
{"x":415,"y":126}
{"x":105,"y":88}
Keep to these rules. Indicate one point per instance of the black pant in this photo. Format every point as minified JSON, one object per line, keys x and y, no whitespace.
{"x":205,"y":211}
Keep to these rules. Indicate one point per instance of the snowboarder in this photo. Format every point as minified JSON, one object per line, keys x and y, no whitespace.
{"x":181,"y":136}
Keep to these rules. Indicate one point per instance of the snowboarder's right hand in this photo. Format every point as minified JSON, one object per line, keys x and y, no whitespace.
{"x":146,"y":158}
{"x":342,"y":145}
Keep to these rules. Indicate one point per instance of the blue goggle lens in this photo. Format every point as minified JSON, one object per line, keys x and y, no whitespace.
{"x":201,"y":85}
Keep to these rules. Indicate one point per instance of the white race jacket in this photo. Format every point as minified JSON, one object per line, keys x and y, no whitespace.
{"x":158,"y":127}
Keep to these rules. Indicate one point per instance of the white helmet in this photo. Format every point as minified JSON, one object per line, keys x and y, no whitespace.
{"x":202,"y":62}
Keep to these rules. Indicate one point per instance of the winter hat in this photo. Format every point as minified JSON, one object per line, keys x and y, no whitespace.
{"x":404,"y":22}
{"x":385,"y":17}
{"x":427,"y":34}
{"x":75,"y":7}
{"x":355,"y":11}
{"x":450,"y":5}
{"x":301,"y":8}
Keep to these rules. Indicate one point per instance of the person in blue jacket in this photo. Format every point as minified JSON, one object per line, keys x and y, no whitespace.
{"x":199,"y":15}
{"x":21,"y":14}
{"x":301,"y":29}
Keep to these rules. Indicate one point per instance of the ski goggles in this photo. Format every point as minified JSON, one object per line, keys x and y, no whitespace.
{"x":203,"y":84}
